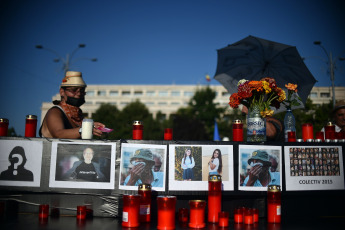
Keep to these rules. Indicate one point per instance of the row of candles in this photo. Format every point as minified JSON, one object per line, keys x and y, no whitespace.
{"x":30,"y":126}
{"x":137,"y":208}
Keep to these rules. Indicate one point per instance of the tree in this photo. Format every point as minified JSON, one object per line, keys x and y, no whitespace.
{"x":108,"y":114}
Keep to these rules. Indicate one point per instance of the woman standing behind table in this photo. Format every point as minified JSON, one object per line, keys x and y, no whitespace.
{"x":215,"y":164}
{"x":187,"y":165}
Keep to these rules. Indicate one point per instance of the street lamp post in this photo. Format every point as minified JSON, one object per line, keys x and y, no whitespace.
{"x":331,"y":65}
{"x":66,"y":62}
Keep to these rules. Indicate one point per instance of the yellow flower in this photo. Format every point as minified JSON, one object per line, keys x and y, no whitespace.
{"x":267,"y":113}
{"x":292,"y":87}
{"x":266,"y":87}
{"x":282,"y":95}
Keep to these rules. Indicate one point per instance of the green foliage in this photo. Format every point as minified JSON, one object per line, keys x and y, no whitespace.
{"x":179,"y":156}
{"x":11,"y":132}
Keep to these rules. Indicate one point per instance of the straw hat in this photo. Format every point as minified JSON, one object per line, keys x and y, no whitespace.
{"x":73,"y":78}
{"x":339,"y":105}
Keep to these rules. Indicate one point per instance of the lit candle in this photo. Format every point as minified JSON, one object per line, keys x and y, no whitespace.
{"x":43,"y":211}
{"x":81,"y":212}
{"x":144,"y":190}
{"x":183,"y":215}
{"x":168,"y":134}
{"x":197,"y":213}
{"x":3,"y":127}
{"x":214,"y":197}
{"x":273,"y":204}
{"x":130,"y":212}
{"x":238,"y":216}
{"x":237,"y":130}
{"x":166,"y":212}
{"x":256,"y":215}
{"x":291,"y":136}
{"x":248,"y":217}
{"x":137,"y":130}
{"x":30,"y":126}
{"x":329,"y":131}
{"x":307,"y":132}
{"x":223,"y":219}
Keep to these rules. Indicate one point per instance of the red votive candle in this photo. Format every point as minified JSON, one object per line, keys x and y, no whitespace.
{"x":130,"y":212}
{"x":329,"y":131}
{"x":197,"y":213}
{"x":166,"y":212}
{"x":256,"y":215}
{"x":43,"y":211}
{"x":138,"y":128}
{"x":291,"y":136}
{"x":273,"y":204}
{"x":307,"y":131}
{"x":237,"y":130}
{"x":30,"y":126}
{"x":248,"y":217}
{"x":81,"y":212}
{"x":214,"y":197}
{"x":144,"y":190}
{"x":238,"y":216}
{"x":168,"y":134}
{"x":3,"y":127}
{"x":320,"y":136}
{"x":183,"y":215}
{"x":339,"y":135}
{"x":223,"y":219}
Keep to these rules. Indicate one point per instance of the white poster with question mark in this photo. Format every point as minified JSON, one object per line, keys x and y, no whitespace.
{"x":20,"y":163}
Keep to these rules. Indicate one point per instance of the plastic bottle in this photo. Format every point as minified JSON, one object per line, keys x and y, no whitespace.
{"x":289,"y":123}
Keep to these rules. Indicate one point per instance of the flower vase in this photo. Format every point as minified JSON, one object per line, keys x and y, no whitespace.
{"x":256,"y":125}
{"x":289,"y":123}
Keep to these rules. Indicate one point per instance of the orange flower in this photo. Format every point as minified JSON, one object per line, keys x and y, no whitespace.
{"x":256,"y":85}
{"x":234,"y":100}
{"x":292,"y":87}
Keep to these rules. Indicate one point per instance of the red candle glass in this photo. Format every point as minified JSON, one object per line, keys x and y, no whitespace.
{"x":256,"y":215}
{"x":3,"y":127}
{"x":197,"y":213}
{"x":30,"y":126}
{"x":81,"y":212}
{"x":130,"y":212}
{"x":273,"y":204}
{"x":43,"y":211}
{"x":223,"y":219}
{"x":291,"y":136}
{"x":237,"y":130}
{"x":329,"y":131}
{"x":168,"y":134}
{"x":138,"y":128}
{"x":320,"y":136}
{"x":340,"y":135}
{"x":166,"y":212}
{"x":144,"y":190}
{"x":238,"y":216}
{"x":183,"y":215}
{"x":307,"y":131}
{"x":214,"y":197}
{"x":248,"y":217}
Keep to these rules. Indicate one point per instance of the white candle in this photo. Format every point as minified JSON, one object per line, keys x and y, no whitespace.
{"x":86,"y":129}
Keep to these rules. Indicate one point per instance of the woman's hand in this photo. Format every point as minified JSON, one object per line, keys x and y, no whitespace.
{"x":95,"y":130}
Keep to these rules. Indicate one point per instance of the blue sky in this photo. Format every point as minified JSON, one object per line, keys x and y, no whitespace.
{"x":149,"y":42}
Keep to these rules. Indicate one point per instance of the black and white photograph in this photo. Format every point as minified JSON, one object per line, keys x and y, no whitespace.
{"x":81,"y":165}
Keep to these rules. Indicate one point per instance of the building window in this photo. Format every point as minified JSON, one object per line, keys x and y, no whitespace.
{"x":162,"y":103}
{"x":101,"y":93}
{"x":151,"y":93}
{"x":126,"y":93}
{"x":325,"y":95}
{"x":149,"y":103}
{"x":124,"y":103}
{"x":163,"y":93}
{"x":90,"y":93}
{"x":138,"y":93}
{"x":175,"y":103}
{"x":99,"y":102}
{"x":313,"y":95}
{"x":175,"y":93}
{"x":188,"y":94}
{"x":114,"y":93}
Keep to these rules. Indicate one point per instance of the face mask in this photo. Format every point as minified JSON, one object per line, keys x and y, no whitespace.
{"x":253,"y":164}
{"x":137,"y":162}
{"x":77,"y":102}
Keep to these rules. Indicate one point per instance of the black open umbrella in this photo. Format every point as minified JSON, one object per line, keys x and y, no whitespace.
{"x":253,"y":58}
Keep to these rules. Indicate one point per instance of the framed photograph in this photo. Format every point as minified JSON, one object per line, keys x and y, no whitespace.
{"x":83,"y":165}
{"x":190,"y":166}
{"x":142,"y":164}
{"x":314,"y":168}
{"x":259,"y":166}
{"x":20,"y":163}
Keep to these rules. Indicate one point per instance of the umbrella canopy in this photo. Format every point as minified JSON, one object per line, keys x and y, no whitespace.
{"x":253,"y":58}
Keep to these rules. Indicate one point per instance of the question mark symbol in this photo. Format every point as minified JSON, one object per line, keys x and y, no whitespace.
{"x":15,"y":165}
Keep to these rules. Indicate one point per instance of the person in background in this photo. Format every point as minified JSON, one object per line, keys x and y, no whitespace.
{"x":215,"y":164}
{"x":338,"y":115}
{"x":65,"y":118}
{"x":187,"y":164}
{"x":259,"y":175}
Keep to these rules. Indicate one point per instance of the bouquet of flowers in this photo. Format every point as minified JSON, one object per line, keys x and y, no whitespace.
{"x":292,"y":99}
{"x":264,"y":94}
